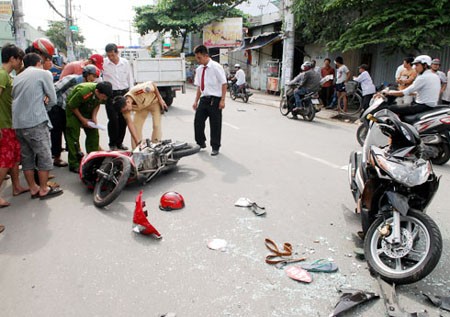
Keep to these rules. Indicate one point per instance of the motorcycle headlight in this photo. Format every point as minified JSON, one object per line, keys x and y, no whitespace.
{"x":408,"y":173}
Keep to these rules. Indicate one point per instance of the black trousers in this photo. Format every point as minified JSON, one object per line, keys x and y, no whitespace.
{"x":406,"y":110}
{"x":208,"y":107}
{"x":116,"y":122}
{"x":57,"y":117}
{"x":326,"y":94}
{"x":366,"y":101}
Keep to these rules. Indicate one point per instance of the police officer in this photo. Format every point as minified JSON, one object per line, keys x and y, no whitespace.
{"x":82,"y":106}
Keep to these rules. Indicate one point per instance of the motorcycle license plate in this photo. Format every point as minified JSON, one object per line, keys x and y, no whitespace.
{"x":315,"y":101}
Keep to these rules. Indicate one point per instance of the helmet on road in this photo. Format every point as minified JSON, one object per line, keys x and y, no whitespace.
{"x":237,"y":66}
{"x":307,"y":65}
{"x":91,"y":69}
{"x":44,"y":46}
{"x":422,"y":59}
{"x":171,"y":201}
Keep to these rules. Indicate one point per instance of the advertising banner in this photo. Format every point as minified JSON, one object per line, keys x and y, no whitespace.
{"x":226,"y":33}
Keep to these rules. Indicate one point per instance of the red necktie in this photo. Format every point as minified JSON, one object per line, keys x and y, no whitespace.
{"x":202,"y":84}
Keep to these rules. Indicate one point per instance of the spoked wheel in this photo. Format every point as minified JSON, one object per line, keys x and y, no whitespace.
{"x":284,"y":107}
{"x":443,"y":156}
{"x":232,"y":95}
{"x":354,"y":104}
{"x":361,"y":134}
{"x":409,"y":260}
{"x":309,"y":112}
{"x":113,"y":175}
{"x":245,"y":98}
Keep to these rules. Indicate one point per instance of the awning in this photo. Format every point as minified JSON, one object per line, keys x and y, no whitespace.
{"x":258,"y":41}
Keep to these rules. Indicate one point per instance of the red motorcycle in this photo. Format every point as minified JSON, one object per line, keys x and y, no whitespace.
{"x":107,"y":172}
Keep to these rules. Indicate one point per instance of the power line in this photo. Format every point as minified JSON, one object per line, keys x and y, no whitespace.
{"x":103,"y":23}
{"x":54,"y":9}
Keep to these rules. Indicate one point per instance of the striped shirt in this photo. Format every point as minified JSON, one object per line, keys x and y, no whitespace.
{"x":29,"y":89}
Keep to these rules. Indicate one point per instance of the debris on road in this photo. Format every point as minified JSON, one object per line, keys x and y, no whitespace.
{"x":280,"y":257}
{"x":298,"y":274}
{"x":217,"y":244}
{"x":439,"y":301}
{"x":320,"y":265}
{"x":245,"y":202}
{"x":351,"y":298}
{"x":140,"y":222}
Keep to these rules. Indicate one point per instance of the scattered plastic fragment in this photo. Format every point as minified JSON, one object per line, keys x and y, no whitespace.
{"x":245,"y":202}
{"x":140,"y":222}
{"x":298,"y":274}
{"x":169,"y":315}
{"x":439,"y":301}
{"x":393,"y":309}
{"x":217,"y":244}
{"x":351,"y":298}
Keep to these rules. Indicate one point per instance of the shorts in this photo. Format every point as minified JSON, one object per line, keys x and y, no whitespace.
{"x":340,"y":87}
{"x":9,"y":148}
{"x":35,"y":144}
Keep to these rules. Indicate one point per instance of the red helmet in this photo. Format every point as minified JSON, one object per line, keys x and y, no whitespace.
{"x":171,"y":201}
{"x":44,"y":46}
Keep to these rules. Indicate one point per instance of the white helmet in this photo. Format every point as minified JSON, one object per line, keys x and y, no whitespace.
{"x":422,"y":59}
{"x":306,"y":65}
{"x":237,"y":66}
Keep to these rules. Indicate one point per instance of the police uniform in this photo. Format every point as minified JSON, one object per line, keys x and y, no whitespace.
{"x":145,"y":101}
{"x":82,"y":97}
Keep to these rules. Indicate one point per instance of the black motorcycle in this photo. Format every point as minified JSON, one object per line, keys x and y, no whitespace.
{"x":392,"y":182}
{"x":236,"y":93}
{"x":310,"y":104}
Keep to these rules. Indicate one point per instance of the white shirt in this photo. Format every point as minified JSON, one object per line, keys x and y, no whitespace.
{"x":341,"y":74}
{"x":427,"y":87}
{"x":240,"y":77}
{"x":399,"y":69}
{"x":214,"y":78}
{"x":366,"y":82}
{"x":446,"y":93}
{"x":119,"y":75}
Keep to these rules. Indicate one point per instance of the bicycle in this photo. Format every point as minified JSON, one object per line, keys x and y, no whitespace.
{"x":354,"y":98}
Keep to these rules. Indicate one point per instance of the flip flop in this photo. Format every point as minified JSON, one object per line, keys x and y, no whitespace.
{"x":60,"y":163}
{"x":53,"y":192}
{"x":21,"y":192}
{"x":320,"y":265}
{"x":298,"y":274}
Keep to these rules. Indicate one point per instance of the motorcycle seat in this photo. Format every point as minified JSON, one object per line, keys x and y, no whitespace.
{"x":427,"y":114}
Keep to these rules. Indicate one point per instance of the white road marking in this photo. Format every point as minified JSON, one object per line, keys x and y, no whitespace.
{"x":231,"y":126}
{"x":317,"y":159}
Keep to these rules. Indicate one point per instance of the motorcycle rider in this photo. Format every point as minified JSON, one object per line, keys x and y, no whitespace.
{"x":240,"y":80}
{"x":308,"y":81}
{"x":426,"y":87}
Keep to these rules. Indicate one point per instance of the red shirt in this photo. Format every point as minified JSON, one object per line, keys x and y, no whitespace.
{"x":325,"y":71}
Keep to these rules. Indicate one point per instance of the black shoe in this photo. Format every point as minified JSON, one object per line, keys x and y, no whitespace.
{"x":113,"y":148}
{"x":202,"y":146}
{"x":214,"y":152}
{"x":74,"y":170}
{"x":122,"y":147}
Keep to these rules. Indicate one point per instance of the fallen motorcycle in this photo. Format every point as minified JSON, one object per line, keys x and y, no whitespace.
{"x":392,"y":182}
{"x":310,"y":104}
{"x":107,"y":172}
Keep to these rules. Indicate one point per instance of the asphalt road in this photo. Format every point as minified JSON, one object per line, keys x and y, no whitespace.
{"x":64,"y":257}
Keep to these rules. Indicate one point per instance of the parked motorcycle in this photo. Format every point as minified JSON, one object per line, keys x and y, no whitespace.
{"x":433,"y":127}
{"x":107,"y":172}
{"x":310,"y":104}
{"x":392,"y":183}
{"x":234,"y":93}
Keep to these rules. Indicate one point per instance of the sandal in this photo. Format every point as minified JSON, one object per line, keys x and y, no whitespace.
{"x":320,"y":265}
{"x":60,"y":163}
{"x":53,"y":192}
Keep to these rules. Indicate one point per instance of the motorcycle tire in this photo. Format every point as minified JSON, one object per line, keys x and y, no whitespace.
{"x":444,"y":154}
{"x":106,"y":191}
{"x":245,"y":98}
{"x":361,"y":134}
{"x":420,"y":268}
{"x":232,"y":95}
{"x":284,"y":107}
{"x":189,"y":149}
{"x":309,"y":113}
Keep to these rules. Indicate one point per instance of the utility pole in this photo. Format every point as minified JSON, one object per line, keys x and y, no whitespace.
{"x":19,"y":32}
{"x":69,"y":43}
{"x":288,"y":43}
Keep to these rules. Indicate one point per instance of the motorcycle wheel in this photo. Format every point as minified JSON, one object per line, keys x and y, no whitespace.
{"x":411,"y":261}
{"x":444,"y":154}
{"x":106,"y":190}
{"x":245,"y":98}
{"x":232,"y":95}
{"x":361,"y":134}
{"x":284,"y":107}
{"x":189,"y":149}
{"x":309,"y":113}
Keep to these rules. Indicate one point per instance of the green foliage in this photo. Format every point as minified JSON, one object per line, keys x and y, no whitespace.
{"x":183,"y":16}
{"x":352,"y":24}
{"x":57,"y":34}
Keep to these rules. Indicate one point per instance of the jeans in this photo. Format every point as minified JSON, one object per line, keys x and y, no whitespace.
{"x":298,"y":95}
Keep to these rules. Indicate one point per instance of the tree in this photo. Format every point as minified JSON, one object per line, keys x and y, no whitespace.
{"x":57,"y":34}
{"x":181,"y":17}
{"x":397,"y":24}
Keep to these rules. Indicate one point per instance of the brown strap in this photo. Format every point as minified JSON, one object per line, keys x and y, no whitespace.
{"x":284,"y":256}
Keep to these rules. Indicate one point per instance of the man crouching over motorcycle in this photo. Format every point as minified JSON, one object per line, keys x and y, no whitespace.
{"x":426,"y":88}
{"x":308,"y":81}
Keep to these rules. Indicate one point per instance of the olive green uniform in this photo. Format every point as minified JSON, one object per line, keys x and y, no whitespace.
{"x":82,"y":97}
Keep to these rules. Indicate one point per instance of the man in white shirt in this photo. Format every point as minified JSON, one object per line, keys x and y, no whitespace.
{"x":240,"y":79}
{"x":427,"y":88}
{"x":211,"y":85}
{"x":117,"y":71}
{"x":367,"y":86}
